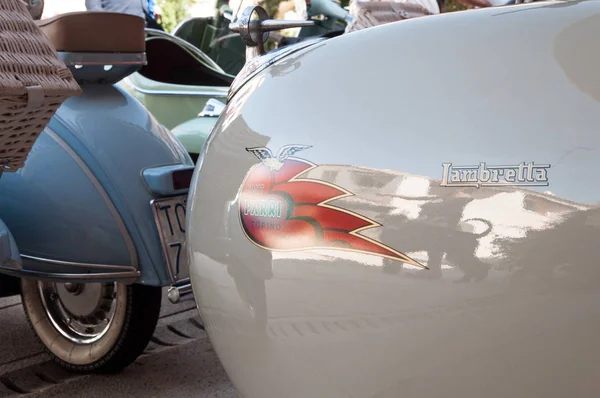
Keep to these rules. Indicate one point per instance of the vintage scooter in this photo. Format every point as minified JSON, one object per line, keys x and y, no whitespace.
{"x":98,"y":209}
{"x":478,"y":181}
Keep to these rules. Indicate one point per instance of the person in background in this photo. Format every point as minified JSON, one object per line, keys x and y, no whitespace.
{"x":140,"y":8}
{"x":153,"y":16}
{"x":133,"y":7}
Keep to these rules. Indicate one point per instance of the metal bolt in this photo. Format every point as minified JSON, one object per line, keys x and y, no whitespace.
{"x":173,"y":295}
{"x":74,"y":288}
{"x":71,"y":287}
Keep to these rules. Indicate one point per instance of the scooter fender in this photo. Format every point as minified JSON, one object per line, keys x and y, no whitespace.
{"x":81,"y":206}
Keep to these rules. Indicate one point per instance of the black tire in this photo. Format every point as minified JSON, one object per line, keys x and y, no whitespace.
{"x":125,"y":337}
{"x":9,"y":286}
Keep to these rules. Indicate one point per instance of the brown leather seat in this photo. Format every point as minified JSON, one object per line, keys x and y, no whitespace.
{"x":95,"y":32}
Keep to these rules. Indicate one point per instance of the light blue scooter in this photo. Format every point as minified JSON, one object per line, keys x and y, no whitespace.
{"x":97,"y":214}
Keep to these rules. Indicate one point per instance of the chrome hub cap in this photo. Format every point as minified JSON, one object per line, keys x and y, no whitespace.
{"x":81,"y":312}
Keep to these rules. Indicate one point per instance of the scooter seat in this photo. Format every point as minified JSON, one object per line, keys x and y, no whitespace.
{"x":95,"y":32}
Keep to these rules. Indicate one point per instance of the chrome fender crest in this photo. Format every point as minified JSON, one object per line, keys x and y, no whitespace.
{"x":280,"y":211}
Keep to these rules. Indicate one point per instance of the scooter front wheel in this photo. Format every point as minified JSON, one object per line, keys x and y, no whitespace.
{"x":92,"y":327}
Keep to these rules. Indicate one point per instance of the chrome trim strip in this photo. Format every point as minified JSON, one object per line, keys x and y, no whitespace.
{"x":124,"y":232}
{"x":12,"y":264}
{"x":183,"y":281}
{"x":80,"y":265}
{"x":198,"y":93}
{"x":177,"y":27}
{"x":222,"y":38}
{"x":187,"y":46}
{"x":71,"y":58}
{"x":57,"y":277}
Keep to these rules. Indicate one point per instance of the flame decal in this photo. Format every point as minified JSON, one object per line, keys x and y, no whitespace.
{"x":281,"y":212}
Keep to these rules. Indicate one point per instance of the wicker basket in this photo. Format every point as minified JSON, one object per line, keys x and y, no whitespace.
{"x":34,"y":82}
{"x":372,"y":13}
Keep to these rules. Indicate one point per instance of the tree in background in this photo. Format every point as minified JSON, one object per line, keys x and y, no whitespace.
{"x":173,"y":12}
{"x":271,"y":6}
{"x":453,"y":5}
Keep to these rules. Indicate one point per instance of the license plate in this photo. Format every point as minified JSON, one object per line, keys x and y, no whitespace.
{"x":169,"y":215}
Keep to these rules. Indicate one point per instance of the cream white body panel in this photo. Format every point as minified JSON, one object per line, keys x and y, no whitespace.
{"x":513,"y":313}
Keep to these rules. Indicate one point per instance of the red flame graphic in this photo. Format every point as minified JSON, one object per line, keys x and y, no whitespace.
{"x":281,"y":212}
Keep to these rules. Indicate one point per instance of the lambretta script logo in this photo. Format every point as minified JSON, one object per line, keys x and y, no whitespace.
{"x":522,"y":174}
{"x":279,"y":211}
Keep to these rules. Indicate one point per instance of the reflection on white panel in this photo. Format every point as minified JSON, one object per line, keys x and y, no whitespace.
{"x":330,"y":255}
{"x":510,"y":219}
{"x":409,"y":208}
{"x":411,"y":187}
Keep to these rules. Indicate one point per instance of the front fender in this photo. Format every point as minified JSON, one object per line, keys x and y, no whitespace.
{"x":390,"y":277}
{"x":81,"y":197}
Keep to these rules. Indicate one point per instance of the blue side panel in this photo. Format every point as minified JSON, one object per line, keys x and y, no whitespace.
{"x":54,"y":211}
{"x":116,"y":137}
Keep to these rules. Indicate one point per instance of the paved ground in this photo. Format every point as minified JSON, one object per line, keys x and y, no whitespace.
{"x":179,"y":362}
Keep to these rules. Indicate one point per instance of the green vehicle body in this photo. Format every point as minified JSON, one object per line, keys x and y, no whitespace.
{"x":172,"y":104}
{"x":171,"y":99}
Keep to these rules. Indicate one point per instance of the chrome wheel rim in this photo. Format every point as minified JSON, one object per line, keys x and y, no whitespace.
{"x":80,"y":312}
